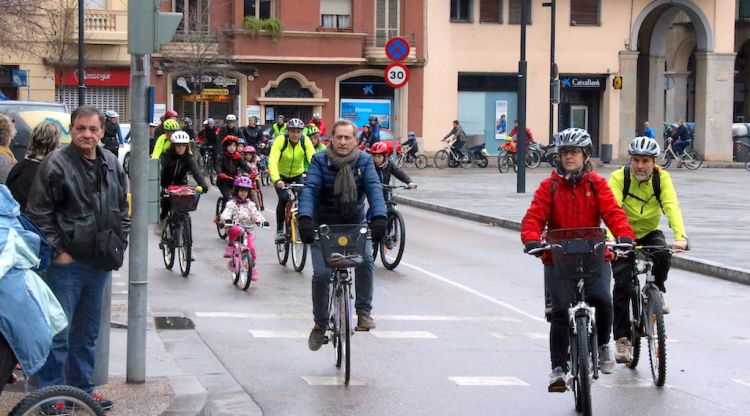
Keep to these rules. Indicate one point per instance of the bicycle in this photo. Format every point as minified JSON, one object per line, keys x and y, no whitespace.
{"x":177,"y":235}
{"x":208,"y":162}
{"x":221,"y":203}
{"x":241,"y":263}
{"x":449,"y":157}
{"x":747,"y":162}
{"x":507,"y":159}
{"x":343,"y":248}
{"x":265,"y":177}
{"x":646,"y":316}
{"x":65,"y":400}
{"x":291,"y":230}
{"x":690,"y":158}
{"x":419,"y":161}
{"x":392,"y":248}
{"x":578,"y":255}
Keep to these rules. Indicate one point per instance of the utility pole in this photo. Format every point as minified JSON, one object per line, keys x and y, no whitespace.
{"x":81,"y":54}
{"x":554,"y":81}
{"x":522,"y":76}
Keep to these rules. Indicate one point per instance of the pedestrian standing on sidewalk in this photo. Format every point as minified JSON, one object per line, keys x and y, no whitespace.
{"x":44,"y":139}
{"x":7,"y":159}
{"x":79,"y":201}
{"x":647,"y":130}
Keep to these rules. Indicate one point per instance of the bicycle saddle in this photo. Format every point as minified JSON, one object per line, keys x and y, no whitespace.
{"x":340,"y":261}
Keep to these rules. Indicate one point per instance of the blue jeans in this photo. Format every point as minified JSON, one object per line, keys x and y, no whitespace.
{"x":363,"y":284}
{"x":80,"y":289}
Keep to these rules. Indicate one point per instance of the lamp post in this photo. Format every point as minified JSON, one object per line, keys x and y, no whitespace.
{"x":522,"y":75}
{"x":81,"y":56}
{"x":554,"y":82}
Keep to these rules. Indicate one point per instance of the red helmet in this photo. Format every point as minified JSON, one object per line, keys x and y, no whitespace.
{"x":170,"y":114}
{"x":379,"y":147}
{"x":225,"y":142}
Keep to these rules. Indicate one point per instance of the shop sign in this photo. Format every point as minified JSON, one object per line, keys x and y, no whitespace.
{"x":223,"y":81}
{"x":582,"y":82}
{"x":97,"y":77}
{"x":215,"y":91}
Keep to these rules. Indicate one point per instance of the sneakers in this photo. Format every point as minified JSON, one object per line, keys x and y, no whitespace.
{"x":55,"y":409}
{"x":105,"y":404}
{"x":364,"y":322}
{"x":623,"y":351}
{"x":664,"y":306}
{"x":558,"y":381}
{"x":228,"y":251}
{"x":317,"y":337}
{"x":254,"y":275}
{"x":606,"y":363}
{"x":280,"y":237}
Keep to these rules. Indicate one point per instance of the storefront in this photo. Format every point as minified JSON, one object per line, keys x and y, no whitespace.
{"x":365,"y":96}
{"x":106,"y":89}
{"x":219,"y":96}
{"x":8,"y":86}
{"x":487,"y":107}
{"x":580,"y":104}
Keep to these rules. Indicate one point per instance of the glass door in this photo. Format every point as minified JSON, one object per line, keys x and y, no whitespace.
{"x":579,"y":116}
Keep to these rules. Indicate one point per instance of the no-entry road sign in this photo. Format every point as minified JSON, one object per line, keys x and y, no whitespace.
{"x":396,"y":75}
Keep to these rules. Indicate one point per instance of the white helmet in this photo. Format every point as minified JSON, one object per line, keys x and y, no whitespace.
{"x":231,"y":117}
{"x":644,"y":146}
{"x":574,"y":137}
{"x":111,"y":114}
{"x":180,"y":137}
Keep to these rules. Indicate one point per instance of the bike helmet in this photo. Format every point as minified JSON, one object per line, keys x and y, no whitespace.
{"x":209,"y":121}
{"x":226,"y":141}
{"x":111,"y":114}
{"x":372,"y":118}
{"x":243,"y":182}
{"x":316,"y":116}
{"x":241,"y":141}
{"x":180,"y":137}
{"x":230,"y":117}
{"x":170,"y":114}
{"x":574,"y":137}
{"x":379,"y":148}
{"x":312,"y":129}
{"x":412,"y":134}
{"x":645,"y":146}
{"x":171,"y":125}
{"x":188,"y":121}
{"x":295,"y":123}
{"x":248,"y":149}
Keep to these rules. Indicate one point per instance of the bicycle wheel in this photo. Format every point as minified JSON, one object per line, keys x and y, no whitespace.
{"x":167,"y":246}
{"x":392,"y":249}
{"x":185,"y":246}
{"x":345,"y":306}
{"x":262,"y":205}
{"x":77,"y":402}
{"x":692,"y":160}
{"x":584,"y":363}
{"x":265,"y":178}
{"x":375,"y":249}
{"x":299,"y":249}
{"x":503,"y":164}
{"x":282,"y":249}
{"x":219,"y":208}
{"x":666,"y":161}
{"x":482,"y":161}
{"x":657,"y":337}
{"x":246,"y":269}
{"x":421,"y":162}
{"x":400,"y":160}
{"x":635,"y":326}
{"x":533,"y":159}
{"x":234,"y":264}
{"x":441,"y":159}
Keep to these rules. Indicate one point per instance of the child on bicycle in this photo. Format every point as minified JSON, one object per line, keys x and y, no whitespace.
{"x":229,"y":165}
{"x":574,"y":196}
{"x":386,"y":168}
{"x":241,"y":210}
{"x":411,"y":146}
{"x":251,"y":159}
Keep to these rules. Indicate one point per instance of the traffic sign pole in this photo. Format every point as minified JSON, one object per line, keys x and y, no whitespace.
{"x":396,"y":75}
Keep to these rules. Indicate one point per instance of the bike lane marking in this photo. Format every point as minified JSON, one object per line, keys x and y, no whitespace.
{"x":278,"y":334}
{"x":403,"y":334}
{"x":745,"y":382}
{"x":474,"y":292}
{"x":420,"y":318}
{"x":488,"y":381}
{"x":332,"y":381}
{"x":521,"y":335}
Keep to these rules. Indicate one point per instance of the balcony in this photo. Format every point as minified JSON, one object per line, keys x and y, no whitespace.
{"x":198,"y":45}
{"x":103,"y":27}
{"x":374,"y":50}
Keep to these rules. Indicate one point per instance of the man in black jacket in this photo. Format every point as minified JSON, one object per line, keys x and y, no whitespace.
{"x":79,"y":201}
{"x":252,"y":133}
{"x":176,"y":163}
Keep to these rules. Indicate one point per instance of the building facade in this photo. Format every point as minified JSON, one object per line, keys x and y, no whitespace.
{"x":675,"y":58}
{"x":328,"y":58}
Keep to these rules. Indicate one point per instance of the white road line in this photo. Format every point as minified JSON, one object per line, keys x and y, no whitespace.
{"x":119,"y":284}
{"x":488,"y":381}
{"x":610,"y":382}
{"x":475,"y":292}
{"x":745,"y":382}
{"x":120,"y":292}
{"x":403,"y":334}
{"x":434,"y":318}
{"x":278,"y":334}
{"x":742,"y":339}
{"x":331,"y":381}
{"x":520,"y":335}
{"x":240,"y":315}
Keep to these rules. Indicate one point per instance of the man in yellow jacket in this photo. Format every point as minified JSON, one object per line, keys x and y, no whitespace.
{"x":290,"y":157}
{"x":644,"y":191}
{"x":163,"y":142}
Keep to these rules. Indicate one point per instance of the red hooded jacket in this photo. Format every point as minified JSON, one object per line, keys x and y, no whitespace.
{"x":584,"y":204}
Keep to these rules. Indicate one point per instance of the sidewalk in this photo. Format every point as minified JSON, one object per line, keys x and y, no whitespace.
{"x":715,"y":205}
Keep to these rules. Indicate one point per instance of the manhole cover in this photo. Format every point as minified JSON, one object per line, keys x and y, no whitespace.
{"x":173,"y":322}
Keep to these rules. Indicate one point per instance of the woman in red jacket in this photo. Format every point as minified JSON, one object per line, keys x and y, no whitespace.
{"x":574,"y":197}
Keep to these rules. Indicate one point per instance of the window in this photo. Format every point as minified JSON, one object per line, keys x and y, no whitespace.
{"x":386,"y":21}
{"x":514,"y":12}
{"x":460,"y":10}
{"x":491,"y":11}
{"x":584,"y":12}
{"x":262,"y":9}
{"x":95,"y":4}
{"x":194,"y":15}
{"x":335,"y":13}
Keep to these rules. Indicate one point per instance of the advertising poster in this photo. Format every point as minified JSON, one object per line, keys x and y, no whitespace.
{"x":359,"y":111}
{"x":253,"y":111}
{"x":269,"y":115}
{"x":501,"y":119}
{"x":159,"y":110}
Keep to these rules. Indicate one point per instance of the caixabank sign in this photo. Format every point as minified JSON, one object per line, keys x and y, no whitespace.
{"x":583,"y":82}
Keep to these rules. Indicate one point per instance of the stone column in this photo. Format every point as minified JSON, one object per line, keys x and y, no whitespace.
{"x":677,"y":97}
{"x":656,"y":89}
{"x":628,"y":122}
{"x":714,"y":92}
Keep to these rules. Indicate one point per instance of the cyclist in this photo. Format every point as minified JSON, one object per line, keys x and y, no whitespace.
{"x":386,"y":168}
{"x":413,"y":147}
{"x":574,"y":196}
{"x":229,"y":129}
{"x":458,"y":133}
{"x":319,"y":123}
{"x":649,"y":193}
{"x":253,"y":133}
{"x":169,"y":115}
{"x":279,"y":127}
{"x":210,"y":138}
{"x":229,"y":165}
{"x":112,"y":132}
{"x":366,"y":138}
{"x":374,"y":124}
{"x":289,"y":159}
{"x":240,"y":209}
{"x":334,"y":193}
{"x":312,"y":132}
{"x":163,"y":142}
{"x":176,"y":163}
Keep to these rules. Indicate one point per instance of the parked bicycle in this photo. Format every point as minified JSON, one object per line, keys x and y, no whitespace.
{"x":59,"y":400}
{"x":291,"y":229}
{"x":241,"y":263}
{"x":739,"y":144}
{"x":392,"y":248}
{"x":578,"y":254}
{"x":450,"y":158}
{"x":688,"y":157}
{"x":419,"y":161}
{"x":177,"y":236}
{"x":343,"y":248}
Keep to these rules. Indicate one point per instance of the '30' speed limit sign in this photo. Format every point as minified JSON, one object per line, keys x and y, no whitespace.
{"x":396,"y":75}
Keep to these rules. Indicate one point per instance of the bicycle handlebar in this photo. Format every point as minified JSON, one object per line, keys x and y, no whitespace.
{"x":608,"y":244}
{"x":395,"y":186}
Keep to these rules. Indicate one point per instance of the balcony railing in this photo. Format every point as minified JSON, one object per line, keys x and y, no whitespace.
{"x":375,"y":47}
{"x":103,"y":26}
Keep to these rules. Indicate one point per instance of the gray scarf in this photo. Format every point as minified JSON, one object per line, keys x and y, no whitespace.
{"x":344,"y":186}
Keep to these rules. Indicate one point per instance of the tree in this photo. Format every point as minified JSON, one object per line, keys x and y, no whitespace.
{"x":58,"y":41}
{"x":17,"y":20}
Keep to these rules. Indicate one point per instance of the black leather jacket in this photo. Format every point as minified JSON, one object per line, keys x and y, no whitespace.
{"x":253,"y":135}
{"x":391,"y":169}
{"x":175,"y":168}
{"x":69,"y":211}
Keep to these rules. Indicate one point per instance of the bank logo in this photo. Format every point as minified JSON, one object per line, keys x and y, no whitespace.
{"x":368,"y":90}
{"x":565,"y":82}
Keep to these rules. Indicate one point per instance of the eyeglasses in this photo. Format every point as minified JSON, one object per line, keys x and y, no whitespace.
{"x":570,"y":151}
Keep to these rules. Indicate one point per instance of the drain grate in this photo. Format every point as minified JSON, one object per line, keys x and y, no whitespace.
{"x":173,"y":322}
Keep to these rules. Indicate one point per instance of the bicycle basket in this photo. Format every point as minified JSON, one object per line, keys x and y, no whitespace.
{"x":183,"y":203}
{"x":577,"y":252}
{"x":342,"y":240}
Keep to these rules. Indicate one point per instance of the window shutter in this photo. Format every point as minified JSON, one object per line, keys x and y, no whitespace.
{"x":490,"y":11}
{"x":584,"y":12}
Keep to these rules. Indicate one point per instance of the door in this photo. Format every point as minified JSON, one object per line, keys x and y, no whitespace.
{"x":579,"y":116}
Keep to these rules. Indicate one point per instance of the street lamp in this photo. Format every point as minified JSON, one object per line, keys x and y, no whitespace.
{"x":554,"y":82}
{"x":522,"y":75}
{"x":81,"y":56}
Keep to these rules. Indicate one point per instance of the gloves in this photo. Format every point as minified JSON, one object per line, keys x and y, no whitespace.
{"x":531,"y":245}
{"x":377,"y":229}
{"x":306,"y":230}
{"x":624,"y":240}
{"x":265,"y":224}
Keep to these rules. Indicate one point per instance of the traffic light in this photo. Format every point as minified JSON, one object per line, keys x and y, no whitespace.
{"x":148,"y":28}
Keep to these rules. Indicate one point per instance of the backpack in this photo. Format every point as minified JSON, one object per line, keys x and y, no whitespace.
{"x":655,"y":182}
{"x":304,"y":148}
{"x":45,"y":248}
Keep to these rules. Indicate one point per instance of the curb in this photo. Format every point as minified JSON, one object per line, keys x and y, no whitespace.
{"x":680,"y":261}
{"x":190,"y":397}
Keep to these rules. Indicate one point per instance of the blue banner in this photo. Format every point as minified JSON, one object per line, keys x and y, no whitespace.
{"x":19,"y":78}
{"x":359,"y":111}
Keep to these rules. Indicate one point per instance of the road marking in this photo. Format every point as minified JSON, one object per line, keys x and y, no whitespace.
{"x":404,"y":334}
{"x":523,"y":335}
{"x":278,"y":334}
{"x":119,"y":284}
{"x":475,"y":292}
{"x":435,"y":318}
{"x":332,"y":381}
{"x":120,"y":292}
{"x":745,"y":382}
{"x":240,"y":315}
{"x":742,"y":339}
{"x":610,"y":382}
{"x":488,"y":381}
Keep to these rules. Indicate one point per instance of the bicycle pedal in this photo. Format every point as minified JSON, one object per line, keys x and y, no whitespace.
{"x":325,"y":340}
{"x":557,"y":388}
